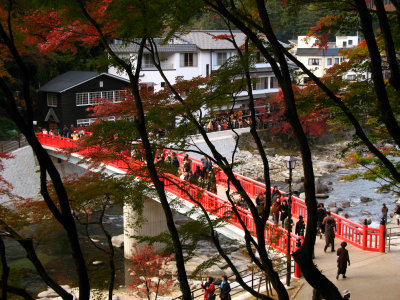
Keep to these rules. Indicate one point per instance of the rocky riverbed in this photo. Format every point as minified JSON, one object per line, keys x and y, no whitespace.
{"x":356,"y":200}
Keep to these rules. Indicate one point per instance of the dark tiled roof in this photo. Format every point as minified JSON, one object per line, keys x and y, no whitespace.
{"x":67,"y":80}
{"x":133,"y":48}
{"x":70,"y":79}
{"x":318,"y":52}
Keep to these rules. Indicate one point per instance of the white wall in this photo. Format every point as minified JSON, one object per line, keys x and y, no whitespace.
{"x":305,"y":42}
{"x":341,"y":39}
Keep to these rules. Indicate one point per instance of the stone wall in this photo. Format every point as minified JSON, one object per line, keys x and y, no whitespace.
{"x":22,"y":172}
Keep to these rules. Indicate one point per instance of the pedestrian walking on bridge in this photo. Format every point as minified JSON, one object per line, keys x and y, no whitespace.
{"x":330,"y":226}
{"x":342,"y":260}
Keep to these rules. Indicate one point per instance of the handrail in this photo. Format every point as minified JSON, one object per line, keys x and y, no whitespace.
{"x":358,"y":235}
{"x":353,"y":232}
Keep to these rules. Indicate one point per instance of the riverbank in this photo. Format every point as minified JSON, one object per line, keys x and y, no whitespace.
{"x":356,"y":200}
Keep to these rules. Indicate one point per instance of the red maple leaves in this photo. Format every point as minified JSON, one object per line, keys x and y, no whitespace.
{"x":149,"y":273}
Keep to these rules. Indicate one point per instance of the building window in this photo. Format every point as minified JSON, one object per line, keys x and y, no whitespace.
{"x":84,"y":122}
{"x":306,"y":79}
{"x":188,"y":60}
{"x":147,"y":61}
{"x":261,"y":83}
{"x":221,"y":58}
{"x":336,"y":60}
{"x":342,"y":59}
{"x":82,"y":99}
{"x":162,"y":84}
{"x":259,"y":57}
{"x":273,"y":83}
{"x":90,"y":98}
{"x":350,"y":42}
{"x":100,"y":83}
{"x":94,"y":97}
{"x":344,"y":44}
{"x":314,"y":61}
{"x":351,"y":77}
{"x":329,"y":61}
{"x":52,"y":99}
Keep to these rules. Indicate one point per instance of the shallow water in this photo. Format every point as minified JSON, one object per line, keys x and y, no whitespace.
{"x":352,"y":191}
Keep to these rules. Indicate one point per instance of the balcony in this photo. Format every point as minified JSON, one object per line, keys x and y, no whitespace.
{"x":164,"y":66}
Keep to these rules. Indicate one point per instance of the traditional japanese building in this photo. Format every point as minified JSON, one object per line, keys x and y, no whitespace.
{"x":64,"y":99}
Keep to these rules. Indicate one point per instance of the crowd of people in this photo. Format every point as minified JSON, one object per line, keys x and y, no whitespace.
{"x":68,"y":132}
{"x":233,"y":122}
{"x":204,"y":176}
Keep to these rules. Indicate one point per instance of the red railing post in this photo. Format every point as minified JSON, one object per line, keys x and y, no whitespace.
{"x":382,"y":237}
{"x":297,"y":271}
{"x":339,"y":226}
{"x":365,"y":235}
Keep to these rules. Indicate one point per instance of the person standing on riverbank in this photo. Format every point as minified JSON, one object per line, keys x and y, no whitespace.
{"x":330,"y":226}
{"x":384,"y":212}
{"x":225,"y":288}
{"x":209,"y":289}
{"x":342,"y":260}
{"x":397,"y":213}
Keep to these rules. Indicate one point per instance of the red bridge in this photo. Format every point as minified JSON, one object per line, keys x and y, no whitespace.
{"x":361,"y":236}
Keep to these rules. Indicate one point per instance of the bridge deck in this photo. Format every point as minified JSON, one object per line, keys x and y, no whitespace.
{"x":359,"y":235}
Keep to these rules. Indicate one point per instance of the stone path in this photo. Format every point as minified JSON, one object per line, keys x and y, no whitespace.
{"x":371,"y":275}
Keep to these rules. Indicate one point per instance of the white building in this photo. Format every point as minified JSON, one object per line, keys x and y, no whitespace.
{"x":319,"y":60}
{"x":196,"y":53}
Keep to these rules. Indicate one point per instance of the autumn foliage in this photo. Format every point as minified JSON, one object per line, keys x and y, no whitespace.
{"x":149,"y":273}
{"x":314,"y":120}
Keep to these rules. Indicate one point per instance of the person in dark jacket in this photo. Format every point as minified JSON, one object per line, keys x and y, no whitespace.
{"x":342,"y":260}
{"x":175,"y":161}
{"x":321,"y":214}
{"x":284,"y":211}
{"x":225,"y":288}
{"x":330,"y":226}
{"x":275,"y":193}
{"x":300,"y":226}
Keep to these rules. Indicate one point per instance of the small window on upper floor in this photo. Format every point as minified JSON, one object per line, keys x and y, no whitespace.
{"x":344,"y":44}
{"x":350,"y":42}
{"x":100,"y":83}
{"x":188,"y":60}
{"x":314,"y":61}
{"x":162,"y":84}
{"x":52,"y":99}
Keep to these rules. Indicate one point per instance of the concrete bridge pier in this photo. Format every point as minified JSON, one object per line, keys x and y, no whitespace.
{"x":154,"y":224}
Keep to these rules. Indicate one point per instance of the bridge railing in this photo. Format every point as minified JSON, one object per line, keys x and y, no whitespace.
{"x":352,"y":232}
{"x":361,"y":236}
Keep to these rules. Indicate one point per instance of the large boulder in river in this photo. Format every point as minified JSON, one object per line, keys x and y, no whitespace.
{"x":334,"y":210}
{"x":321,"y":188}
{"x":321,"y":196}
{"x":118,"y":241}
{"x":361,"y":221}
{"x":298,"y":187}
{"x":345,"y":204}
{"x":365,"y":199}
{"x":332,"y":204}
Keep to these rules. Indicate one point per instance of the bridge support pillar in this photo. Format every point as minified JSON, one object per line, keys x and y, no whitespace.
{"x":154,"y":224}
